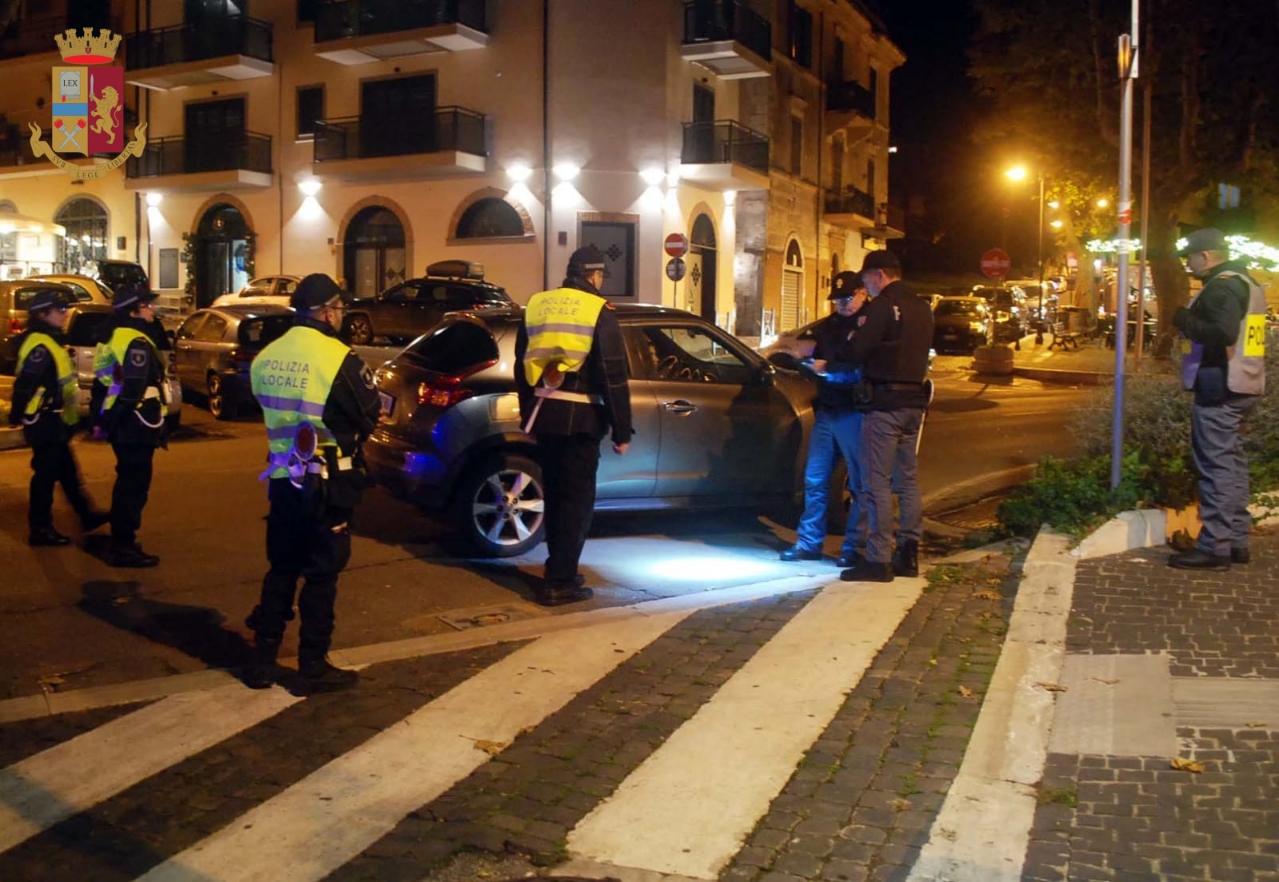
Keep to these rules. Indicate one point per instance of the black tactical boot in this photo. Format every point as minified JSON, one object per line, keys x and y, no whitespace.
{"x":260,"y":671}
{"x":47,"y":537}
{"x":320,"y":676}
{"x":868,"y":571}
{"x":131,"y":556}
{"x":906,"y":559}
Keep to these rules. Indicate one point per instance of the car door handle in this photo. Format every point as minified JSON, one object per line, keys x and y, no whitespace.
{"x":679,"y":406}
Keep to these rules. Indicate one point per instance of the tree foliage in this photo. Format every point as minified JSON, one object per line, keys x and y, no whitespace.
{"x":1049,"y":71}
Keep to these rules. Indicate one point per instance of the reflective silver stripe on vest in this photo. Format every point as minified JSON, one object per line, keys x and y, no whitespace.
{"x":561,"y":395}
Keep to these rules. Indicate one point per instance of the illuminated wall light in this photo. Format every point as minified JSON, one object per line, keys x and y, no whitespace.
{"x":730,"y":197}
{"x":519,"y":172}
{"x":565,"y":193}
{"x":566,"y":171}
{"x":1056,"y":225}
{"x":651,"y":199}
{"x":309,"y":187}
{"x":672,"y":179}
{"x":1102,"y":203}
{"x":653,"y":176}
{"x":154,"y":199}
{"x":1054,"y":204}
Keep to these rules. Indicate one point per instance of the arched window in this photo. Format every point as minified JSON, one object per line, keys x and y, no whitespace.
{"x":373,"y":251}
{"x":489,"y":218}
{"x":86,"y":239}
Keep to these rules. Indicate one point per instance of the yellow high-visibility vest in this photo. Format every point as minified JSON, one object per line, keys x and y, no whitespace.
{"x":67,"y":380}
{"x":561,"y":329}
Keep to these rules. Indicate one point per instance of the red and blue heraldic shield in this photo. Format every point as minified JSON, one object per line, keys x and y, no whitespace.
{"x":106,"y":108}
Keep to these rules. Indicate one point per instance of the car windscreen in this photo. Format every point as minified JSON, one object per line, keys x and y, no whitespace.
{"x":260,"y":330}
{"x":115,"y":273}
{"x":958,"y":307}
{"x":89,"y":328}
{"x":453,"y":348}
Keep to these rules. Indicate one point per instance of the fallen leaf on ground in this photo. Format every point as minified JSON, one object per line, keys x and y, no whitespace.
{"x":1185,"y":765}
{"x":1107,"y":682}
{"x":900,"y":805}
{"x":492,"y":748}
{"x":51,"y":680}
{"x":1255,"y":724}
{"x":966,"y":692}
{"x":1051,"y":687}
{"x":987,"y":595}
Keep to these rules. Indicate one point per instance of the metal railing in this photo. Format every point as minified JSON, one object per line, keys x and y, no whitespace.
{"x":197,"y":40}
{"x":851,"y":201}
{"x":850,"y":95}
{"x":892,"y":216}
{"x":364,"y":137}
{"x":224,"y":151}
{"x":358,"y":18}
{"x":708,"y":21}
{"x":724,"y":141}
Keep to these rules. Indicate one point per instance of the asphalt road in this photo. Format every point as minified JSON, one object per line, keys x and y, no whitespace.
{"x":70,"y":621}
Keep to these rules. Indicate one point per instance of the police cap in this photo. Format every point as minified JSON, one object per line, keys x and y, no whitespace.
{"x":882,"y":259}
{"x":845,"y":284}
{"x":1207,"y":239}
{"x":130,"y":295}
{"x":586,"y":259}
{"x":315,"y":292}
{"x":46,"y":298}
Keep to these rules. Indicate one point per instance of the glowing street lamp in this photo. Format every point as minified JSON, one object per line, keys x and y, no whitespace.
{"x":1019,"y":173}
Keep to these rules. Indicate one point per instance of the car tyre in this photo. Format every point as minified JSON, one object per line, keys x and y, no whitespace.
{"x":219,"y":402}
{"x":500,"y":507}
{"x":359,"y":330}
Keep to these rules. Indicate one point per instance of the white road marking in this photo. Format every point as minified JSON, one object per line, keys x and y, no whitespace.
{"x":76,"y":775}
{"x":328,"y":818}
{"x":688,"y":808}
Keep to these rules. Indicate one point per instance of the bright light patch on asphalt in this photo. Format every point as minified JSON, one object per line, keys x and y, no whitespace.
{"x":704,"y":568}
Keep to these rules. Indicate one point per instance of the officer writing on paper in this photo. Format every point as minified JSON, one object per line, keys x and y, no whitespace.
{"x":46,"y":399}
{"x":571,"y":375}
{"x":1224,"y":363}
{"x":319,"y":405}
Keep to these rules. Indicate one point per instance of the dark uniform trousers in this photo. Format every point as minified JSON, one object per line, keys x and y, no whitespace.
{"x":301,"y":544}
{"x":132,"y":487}
{"x":569,"y":464}
{"x":54,"y":464}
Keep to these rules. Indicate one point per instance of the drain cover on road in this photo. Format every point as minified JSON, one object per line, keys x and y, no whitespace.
{"x":479,"y":617}
{"x":978,"y":516}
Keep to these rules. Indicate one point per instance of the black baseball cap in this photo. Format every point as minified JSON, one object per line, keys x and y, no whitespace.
{"x":882,"y":259}
{"x":1207,"y":239}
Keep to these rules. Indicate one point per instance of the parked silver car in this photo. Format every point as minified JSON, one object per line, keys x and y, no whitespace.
{"x":715,"y":426}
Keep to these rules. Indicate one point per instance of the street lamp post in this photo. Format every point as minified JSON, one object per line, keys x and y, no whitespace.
{"x":1018,"y":173}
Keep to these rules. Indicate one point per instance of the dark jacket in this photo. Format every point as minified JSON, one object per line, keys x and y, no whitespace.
{"x":39,"y":372}
{"x":604,"y":373}
{"x":829,"y":336}
{"x":1213,"y":320}
{"x":891,"y":345}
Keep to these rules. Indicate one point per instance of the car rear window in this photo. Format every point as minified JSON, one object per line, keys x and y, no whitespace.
{"x":257,"y":332}
{"x":89,"y":328}
{"x":452,"y":348}
{"x":490,"y":295}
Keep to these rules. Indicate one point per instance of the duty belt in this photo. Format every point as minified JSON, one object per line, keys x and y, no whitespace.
{"x":894,"y":386}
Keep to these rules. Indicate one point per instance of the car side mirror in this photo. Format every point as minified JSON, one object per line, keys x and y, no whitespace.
{"x":765,"y":375}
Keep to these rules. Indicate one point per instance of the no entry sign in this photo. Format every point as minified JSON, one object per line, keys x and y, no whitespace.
{"x":676,"y":245}
{"x":995,"y":263}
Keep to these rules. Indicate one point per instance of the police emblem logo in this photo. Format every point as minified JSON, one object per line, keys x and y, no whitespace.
{"x":38,"y":354}
{"x":88,"y":107}
{"x":137,"y":358}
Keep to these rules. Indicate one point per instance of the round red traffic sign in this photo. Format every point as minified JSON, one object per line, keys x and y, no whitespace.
{"x":996,"y":263}
{"x":676,"y":245}
{"x":675,"y":269}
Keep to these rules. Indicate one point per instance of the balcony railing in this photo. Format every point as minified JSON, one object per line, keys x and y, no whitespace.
{"x":850,"y":95}
{"x":851,"y":201}
{"x":211,"y":37}
{"x":707,"y":21}
{"x":33,"y":34}
{"x":359,"y":18}
{"x":712,"y":142}
{"x":191,"y":155}
{"x":365,"y":137}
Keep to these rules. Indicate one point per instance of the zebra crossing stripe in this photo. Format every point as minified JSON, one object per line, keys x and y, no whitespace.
{"x":46,"y":788}
{"x":687,"y":809}
{"x":329,"y":817}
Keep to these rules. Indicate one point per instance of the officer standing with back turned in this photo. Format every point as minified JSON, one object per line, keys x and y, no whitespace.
{"x":571,"y":375}
{"x":46,"y":400}
{"x":319,"y":405}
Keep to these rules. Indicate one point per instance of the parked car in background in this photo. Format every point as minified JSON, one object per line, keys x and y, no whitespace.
{"x":275,"y":290}
{"x":708,"y":414}
{"x":415,"y":306}
{"x":91,"y":323}
{"x":86,"y":289}
{"x":215,"y":346}
{"x":1009,"y":309}
{"x":15,"y":294}
{"x":114,"y":272}
{"x":961,"y":324}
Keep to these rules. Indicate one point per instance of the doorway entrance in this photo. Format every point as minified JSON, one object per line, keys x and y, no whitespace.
{"x":703,"y":262}
{"x":221,"y":253}
{"x":373,"y":251}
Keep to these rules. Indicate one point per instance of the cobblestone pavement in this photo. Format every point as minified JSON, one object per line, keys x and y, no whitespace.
{"x":1103,"y":816}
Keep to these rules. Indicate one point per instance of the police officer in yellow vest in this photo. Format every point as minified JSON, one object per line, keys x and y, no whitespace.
{"x":571,"y":374}
{"x":130,"y":371}
{"x":319,"y":405}
{"x":46,"y":404}
{"x":1224,"y":364}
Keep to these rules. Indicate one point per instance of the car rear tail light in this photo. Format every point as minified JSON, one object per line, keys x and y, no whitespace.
{"x":242,"y":356}
{"x":15,"y":326}
{"x":173,"y":363}
{"x":447,"y":390}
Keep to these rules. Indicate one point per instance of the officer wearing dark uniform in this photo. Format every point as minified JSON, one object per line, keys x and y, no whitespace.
{"x":1223,"y":332}
{"x":46,"y":398}
{"x":319,"y":405}
{"x":837,"y":427}
{"x":571,"y":374}
{"x":891,"y":347}
{"x":130,"y":373}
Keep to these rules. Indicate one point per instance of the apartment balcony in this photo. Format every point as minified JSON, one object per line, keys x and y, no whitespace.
{"x":369,"y":149}
{"x":18,"y":161}
{"x":890,"y":222}
{"x":198,"y":163}
{"x":851,"y":106}
{"x":724,"y":155}
{"x":852,"y":209}
{"x":364,"y":31}
{"x":727,"y":37}
{"x":211,"y":50}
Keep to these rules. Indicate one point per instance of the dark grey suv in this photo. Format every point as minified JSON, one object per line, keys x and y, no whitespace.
{"x":415,"y":306}
{"x":715,"y":426}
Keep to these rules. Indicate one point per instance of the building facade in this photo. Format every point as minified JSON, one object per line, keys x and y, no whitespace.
{"x":368,"y":140}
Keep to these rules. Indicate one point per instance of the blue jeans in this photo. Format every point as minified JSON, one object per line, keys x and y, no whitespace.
{"x":888,"y":468}
{"x":834,"y":435}
{"x":1223,"y":474}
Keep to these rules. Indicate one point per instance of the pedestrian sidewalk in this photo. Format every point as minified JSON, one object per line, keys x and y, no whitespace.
{"x":1090,"y":363}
